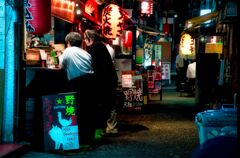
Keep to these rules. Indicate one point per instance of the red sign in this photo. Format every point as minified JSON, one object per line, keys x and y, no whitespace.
{"x":147,"y":7}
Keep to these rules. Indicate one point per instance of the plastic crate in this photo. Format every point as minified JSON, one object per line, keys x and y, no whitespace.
{"x":212,"y":123}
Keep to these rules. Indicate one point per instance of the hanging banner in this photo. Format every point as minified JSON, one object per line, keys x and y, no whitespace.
{"x":158,"y":54}
{"x":166,"y":71}
{"x":148,"y":52}
{"x":60,"y":122}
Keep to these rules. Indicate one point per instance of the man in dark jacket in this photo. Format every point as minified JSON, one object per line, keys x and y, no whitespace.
{"x":104,"y":73}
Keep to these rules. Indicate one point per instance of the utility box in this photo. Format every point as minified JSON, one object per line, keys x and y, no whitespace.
{"x":213,"y":123}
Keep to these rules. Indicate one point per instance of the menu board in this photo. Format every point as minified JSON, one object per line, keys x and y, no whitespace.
{"x":60,"y":122}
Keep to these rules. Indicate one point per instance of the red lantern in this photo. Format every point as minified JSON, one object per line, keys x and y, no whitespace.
{"x":38,"y":16}
{"x":112,"y":21}
{"x":128,"y":39}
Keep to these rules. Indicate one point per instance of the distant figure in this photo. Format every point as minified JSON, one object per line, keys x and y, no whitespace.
{"x":180,"y":70}
{"x":191,"y":76}
{"x":191,"y":70}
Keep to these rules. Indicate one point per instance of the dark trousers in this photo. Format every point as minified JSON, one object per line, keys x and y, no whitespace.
{"x":191,"y":85}
{"x":106,"y":100}
{"x":181,"y":77}
{"x":85,"y":107}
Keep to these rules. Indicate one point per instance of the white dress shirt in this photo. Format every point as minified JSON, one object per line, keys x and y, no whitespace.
{"x":76,"y":61}
{"x":191,"y":70}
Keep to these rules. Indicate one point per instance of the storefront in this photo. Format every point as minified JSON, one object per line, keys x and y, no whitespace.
{"x":216,"y":51}
{"x":142,"y":61}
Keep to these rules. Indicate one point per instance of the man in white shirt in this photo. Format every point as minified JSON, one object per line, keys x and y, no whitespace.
{"x":191,"y":76}
{"x":191,"y":70}
{"x":75,"y":60}
{"x":78,"y":65}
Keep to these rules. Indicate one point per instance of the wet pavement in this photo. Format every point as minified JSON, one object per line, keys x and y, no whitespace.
{"x":164,"y":129}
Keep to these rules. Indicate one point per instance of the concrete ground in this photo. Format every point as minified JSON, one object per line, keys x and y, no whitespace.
{"x":163,"y":129}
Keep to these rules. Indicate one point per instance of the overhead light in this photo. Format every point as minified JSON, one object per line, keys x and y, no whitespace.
{"x":78,"y":12}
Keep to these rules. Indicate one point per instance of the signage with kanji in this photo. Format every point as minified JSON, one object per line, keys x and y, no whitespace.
{"x":133,"y":98}
{"x":154,"y":78}
{"x":166,"y":71}
{"x":133,"y":95}
{"x":60,"y":122}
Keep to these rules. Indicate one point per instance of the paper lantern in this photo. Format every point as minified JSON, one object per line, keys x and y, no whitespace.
{"x":187,"y":45}
{"x":38,"y":16}
{"x":128,"y":39}
{"x":112,"y":21}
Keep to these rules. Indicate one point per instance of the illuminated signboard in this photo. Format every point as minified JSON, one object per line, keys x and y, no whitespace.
{"x":214,"y":44}
{"x":147,"y":7}
{"x":60,"y":122}
{"x":214,"y":48}
{"x":64,"y":10}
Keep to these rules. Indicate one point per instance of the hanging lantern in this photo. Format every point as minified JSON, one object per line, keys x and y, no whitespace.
{"x":128,"y":39}
{"x":38,"y":16}
{"x":112,"y":21}
{"x":187,"y":45}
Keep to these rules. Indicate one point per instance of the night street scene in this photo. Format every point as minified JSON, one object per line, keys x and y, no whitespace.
{"x":119,"y":78}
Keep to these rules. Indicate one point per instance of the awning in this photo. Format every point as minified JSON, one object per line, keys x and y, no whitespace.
{"x":197,"y":21}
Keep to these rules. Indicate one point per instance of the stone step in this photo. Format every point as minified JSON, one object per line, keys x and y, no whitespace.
{"x":12,"y":150}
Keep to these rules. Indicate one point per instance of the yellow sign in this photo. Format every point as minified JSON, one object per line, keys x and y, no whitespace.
{"x":214,"y":48}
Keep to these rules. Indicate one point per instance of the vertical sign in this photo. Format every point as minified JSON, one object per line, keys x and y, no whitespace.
{"x":148,"y":52}
{"x":60,"y":122}
{"x":158,"y":54}
{"x":166,"y":74}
